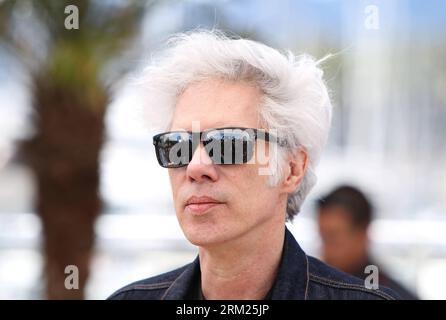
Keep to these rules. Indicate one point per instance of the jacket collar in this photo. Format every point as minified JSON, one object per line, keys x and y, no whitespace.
{"x":292,"y":276}
{"x":291,"y":280}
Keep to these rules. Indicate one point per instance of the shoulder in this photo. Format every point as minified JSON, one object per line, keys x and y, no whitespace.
{"x":151,"y":288}
{"x":326,"y":282}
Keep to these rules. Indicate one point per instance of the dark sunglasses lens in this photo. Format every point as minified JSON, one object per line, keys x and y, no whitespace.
{"x":229,"y":146}
{"x":174,"y":149}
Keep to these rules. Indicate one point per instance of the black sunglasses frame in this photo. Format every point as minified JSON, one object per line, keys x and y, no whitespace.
{"x":254,"y":135}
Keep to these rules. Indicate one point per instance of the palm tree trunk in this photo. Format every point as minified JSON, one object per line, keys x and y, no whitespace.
{"x":64,"y":156}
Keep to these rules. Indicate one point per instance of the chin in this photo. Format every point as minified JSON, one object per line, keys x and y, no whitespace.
{"x":203,"y":235}
{"x":202,"y":239}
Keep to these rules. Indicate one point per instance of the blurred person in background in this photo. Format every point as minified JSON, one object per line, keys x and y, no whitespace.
{"x":238,"y":93}
{"x":344,"y":216}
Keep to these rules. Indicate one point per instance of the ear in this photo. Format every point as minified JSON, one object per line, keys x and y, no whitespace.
{"x":295,"y":170}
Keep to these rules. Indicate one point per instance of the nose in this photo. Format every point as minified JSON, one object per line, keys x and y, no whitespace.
{"x":201,"y":168}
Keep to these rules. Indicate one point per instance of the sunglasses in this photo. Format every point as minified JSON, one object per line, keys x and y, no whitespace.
{"x":230,"y":145}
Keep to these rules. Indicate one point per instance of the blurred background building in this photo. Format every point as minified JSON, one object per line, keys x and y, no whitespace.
{"x":71,"y":126}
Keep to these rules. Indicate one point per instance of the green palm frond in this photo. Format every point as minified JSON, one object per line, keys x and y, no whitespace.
{"x":74,"y":58}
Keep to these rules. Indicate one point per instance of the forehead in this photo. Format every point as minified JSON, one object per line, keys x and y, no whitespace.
{"x":217,"y":103}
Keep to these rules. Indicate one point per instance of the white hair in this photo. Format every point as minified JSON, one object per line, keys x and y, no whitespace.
{"x":295,"y":99}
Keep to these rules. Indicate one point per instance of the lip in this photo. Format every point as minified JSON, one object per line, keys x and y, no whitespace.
{"x":200,"y":205}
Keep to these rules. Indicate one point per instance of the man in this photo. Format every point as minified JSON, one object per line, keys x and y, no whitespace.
{"x":245,"y":126}
{"x":344,"y":216}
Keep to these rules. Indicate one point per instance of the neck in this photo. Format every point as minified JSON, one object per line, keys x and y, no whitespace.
{"x":361,"y":262}
{"x":244,"y":268}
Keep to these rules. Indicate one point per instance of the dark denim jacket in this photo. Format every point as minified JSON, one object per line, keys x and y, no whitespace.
{"x":299,"y":277}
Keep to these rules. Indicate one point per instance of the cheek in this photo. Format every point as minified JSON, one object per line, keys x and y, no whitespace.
{"x":252,"y":188}
{"x":175,"y":177}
